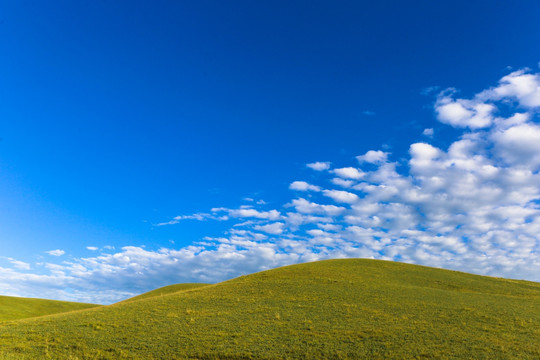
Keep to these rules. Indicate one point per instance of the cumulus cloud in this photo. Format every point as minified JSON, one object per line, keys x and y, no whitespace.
{"x":519,"y":144}
{"x":273,"y":228}
{"x":341,"y":196}
{"x":304,"y":206}
{"x":520,"y":86}
{"x":373,"y":157}
{"x":472,"y":206}
{"x":479,"y":112}
{"x":342,"y":182}
{"x":92,"y":248}
{"x":303,"y":186}
{"x":424,"y":155}
{"x":56,"y":252}
{"x":463,"y":113}
{"x":349,"y":173}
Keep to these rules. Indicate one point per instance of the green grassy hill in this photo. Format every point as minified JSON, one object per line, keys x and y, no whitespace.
{"x":14,"y":308}
{"x":334,"y":309}
{"x":166,"y":290}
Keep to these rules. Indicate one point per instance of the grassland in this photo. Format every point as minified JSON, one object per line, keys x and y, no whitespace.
{"x":14,"y":308}
{"x":166,"y":290}
{"x":336,"y":309}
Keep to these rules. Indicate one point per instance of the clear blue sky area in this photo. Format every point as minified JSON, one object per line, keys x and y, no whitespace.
{"x":116,"y":116}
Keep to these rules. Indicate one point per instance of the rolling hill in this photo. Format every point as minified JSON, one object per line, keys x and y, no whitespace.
{"x":166,"y":290}
{"x":14,"y":308}
{"x":334,"y":309}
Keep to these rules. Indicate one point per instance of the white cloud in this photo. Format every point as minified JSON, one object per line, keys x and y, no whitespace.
{"x":303,"y":186}
{"x":21,"y":265}
{"x":478,"y":112}
{"x":349,"y":173}
{"x":519,"y":144}
{"x":249,"y":213}
{"x":305,"y":207}
{"x":428,"y":132}
{"x":342,"y":182}
{"x":464,"y":113}
{"x":92,"y":248}
{"x":330,"y":227}
{"x":319,"y":166}
{"x":273,"y":228}
{"x":197,"y":216}
{"x":519,"y":85}
{"x":373,"y":157}
{"x":341,"y":196}
{"x":424,"y":151}
{"x":56,"y":252}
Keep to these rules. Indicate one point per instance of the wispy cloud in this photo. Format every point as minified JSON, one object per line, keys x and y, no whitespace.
{"x":17,"y":264}
{"x":198,"y":217}
{"x":248,"y":212}
{"x":428,"y":132}
{"x":56,"y":252}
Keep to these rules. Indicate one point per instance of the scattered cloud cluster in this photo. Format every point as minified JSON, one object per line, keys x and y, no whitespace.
{"x":473,"y":206}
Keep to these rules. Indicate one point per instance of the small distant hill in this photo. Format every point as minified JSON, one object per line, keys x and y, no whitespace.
{"x":334,"y":309}
{"x":14,"y":308}
{"x":166,"y":290}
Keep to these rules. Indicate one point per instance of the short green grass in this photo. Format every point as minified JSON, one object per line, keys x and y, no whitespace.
{"x":14,"y":308}
{"x":335,"y":309}
{"x":166,"y":290}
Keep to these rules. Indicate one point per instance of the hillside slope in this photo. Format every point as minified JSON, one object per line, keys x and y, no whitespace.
{"x":13,"y":308}
{"x":166,"y":290}
{"x":331,"y":309}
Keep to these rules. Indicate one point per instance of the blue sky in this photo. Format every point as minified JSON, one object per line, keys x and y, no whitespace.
{"x":144,"y":144}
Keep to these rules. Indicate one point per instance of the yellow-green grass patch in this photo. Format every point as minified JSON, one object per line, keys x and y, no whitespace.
{"x":166,"y":290}
{"x":14,"y":308}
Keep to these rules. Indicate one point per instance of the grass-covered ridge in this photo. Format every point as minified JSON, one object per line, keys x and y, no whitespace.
{"x":14,"y":308}
{"x":166,"y":290}
{"x":330,"y":309}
